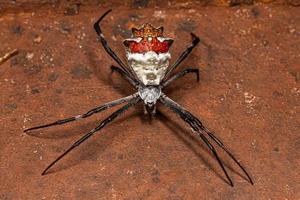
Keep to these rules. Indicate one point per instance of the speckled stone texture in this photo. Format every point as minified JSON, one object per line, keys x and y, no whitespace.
{"x":248,"y":94}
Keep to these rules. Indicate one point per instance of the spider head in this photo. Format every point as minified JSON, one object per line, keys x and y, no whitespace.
{"x":148,"y":53}
{"x":150,"y":94}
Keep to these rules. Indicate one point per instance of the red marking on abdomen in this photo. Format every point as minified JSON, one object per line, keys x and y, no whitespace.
{"x":145,"y":46}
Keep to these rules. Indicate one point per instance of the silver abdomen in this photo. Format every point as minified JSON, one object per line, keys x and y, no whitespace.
{"x":150,"y":67}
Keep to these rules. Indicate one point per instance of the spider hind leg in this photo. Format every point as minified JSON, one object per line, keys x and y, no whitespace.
{"x":181,"y":74}
{"x":184,"y":54}
{"x":107,"y":48}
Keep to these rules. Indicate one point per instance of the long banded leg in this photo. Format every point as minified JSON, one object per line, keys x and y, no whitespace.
{"x":183,"y":114}
{"x":106,"y":46}
{"x":200,"y":129}
{"x":93,"y":131}
{"x":132,"y":81}
{"x":87,"y":114}
{"x":195,"y":41}
{"x":220,"y":144}
{"x":179,"y":75}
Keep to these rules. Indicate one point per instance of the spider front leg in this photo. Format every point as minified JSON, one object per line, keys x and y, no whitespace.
{"x":179,"y":75}
{"x":130,"y":79}
{"x":198,"y":127}
{"x":87,"y":114}
{"x":109,"y":119}
{"x":195,"y":41}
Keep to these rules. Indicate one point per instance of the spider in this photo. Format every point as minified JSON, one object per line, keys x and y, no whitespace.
{"x":149,"y":72}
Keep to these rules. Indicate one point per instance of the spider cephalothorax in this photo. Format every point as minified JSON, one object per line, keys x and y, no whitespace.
{"x":149,"y":72}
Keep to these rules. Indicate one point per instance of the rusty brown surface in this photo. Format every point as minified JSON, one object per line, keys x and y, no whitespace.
{"x":248,"y":94}
{"x":31,"y":5}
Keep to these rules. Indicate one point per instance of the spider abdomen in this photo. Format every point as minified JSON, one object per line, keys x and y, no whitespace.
{"x":150,"y":67}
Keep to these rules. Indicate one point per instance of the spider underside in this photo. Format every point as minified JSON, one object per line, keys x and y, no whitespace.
{"x":149,"y":72}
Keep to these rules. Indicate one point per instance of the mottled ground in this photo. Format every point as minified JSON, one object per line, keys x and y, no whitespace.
{"x":248,"y":94}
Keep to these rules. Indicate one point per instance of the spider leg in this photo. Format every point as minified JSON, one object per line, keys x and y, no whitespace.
{"x":106,"y":46}
{"x":199,"y":128}
{"x":186,"y":117}
{"x":93,"y":131}
{"x":87,"y":114}
{"x":130,"y":79}
{"x":179,"y":75}
{"x":220,"y":144}
{"x":195,"y":41}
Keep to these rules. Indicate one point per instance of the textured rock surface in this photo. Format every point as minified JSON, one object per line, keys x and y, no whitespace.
{"x":248,"y":94}
{"x":71,"y":7}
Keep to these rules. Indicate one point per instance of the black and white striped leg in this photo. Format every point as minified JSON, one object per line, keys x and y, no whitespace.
{"x":181,"y":74}
{"x":106,"y":46}
{"x":195,"y":41}
{"x":220,"y":144}
{"x":185,"y":116}
{"x":130,"y":79}
{"x":87,"y":114}
{"x":93,"y":131}
{"x":200,"y":129}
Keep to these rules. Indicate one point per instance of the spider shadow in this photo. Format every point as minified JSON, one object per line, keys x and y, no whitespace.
{"x":96,"y":64}
{"x":186,"y":83}
{"x":190,"y":141}
{"x":87,"y":152}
